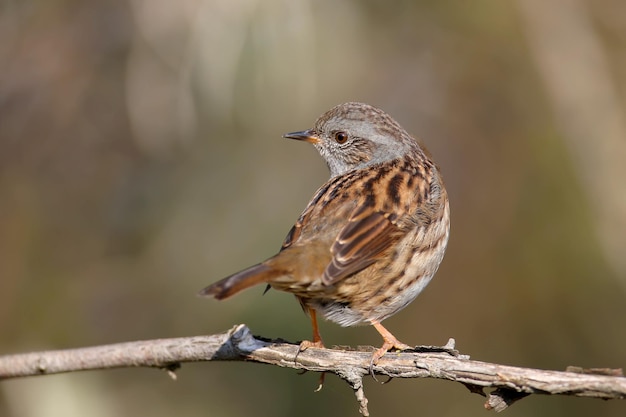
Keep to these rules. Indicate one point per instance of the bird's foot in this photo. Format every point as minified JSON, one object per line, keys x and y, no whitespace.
{"x":305,"y":344}
{"x":388,"y":345}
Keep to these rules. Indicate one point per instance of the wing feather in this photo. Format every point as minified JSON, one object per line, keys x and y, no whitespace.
{"x":367,"y":235}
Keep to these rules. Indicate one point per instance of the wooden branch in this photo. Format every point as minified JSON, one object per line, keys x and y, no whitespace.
{"x":510,"y":383}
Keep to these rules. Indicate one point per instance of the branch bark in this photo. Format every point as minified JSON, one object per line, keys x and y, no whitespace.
{"x":238,"y":344}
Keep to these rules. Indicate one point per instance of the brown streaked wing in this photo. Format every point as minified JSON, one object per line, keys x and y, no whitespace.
{"x":360,"y":242}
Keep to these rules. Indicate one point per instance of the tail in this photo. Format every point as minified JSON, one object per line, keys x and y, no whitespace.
{"x":240,"y":281}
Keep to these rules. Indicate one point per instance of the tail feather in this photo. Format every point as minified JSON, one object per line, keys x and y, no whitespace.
{"x":231,"y":285}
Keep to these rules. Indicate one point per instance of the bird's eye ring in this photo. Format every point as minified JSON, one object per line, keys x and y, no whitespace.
{"x":341,"y":137}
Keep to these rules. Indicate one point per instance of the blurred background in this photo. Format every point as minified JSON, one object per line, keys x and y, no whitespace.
{"x":141,"y":159}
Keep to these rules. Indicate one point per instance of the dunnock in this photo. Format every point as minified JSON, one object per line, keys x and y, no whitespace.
{"x":371,"y":238}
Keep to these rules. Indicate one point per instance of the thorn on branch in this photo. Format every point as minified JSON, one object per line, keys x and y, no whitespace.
{"x":448,"y":348}
{"x":500,"y":398}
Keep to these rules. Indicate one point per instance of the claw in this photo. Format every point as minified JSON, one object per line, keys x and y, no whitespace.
{"x":321,"y":384}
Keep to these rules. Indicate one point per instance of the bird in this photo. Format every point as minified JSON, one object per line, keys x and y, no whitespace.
{"x":371,"y":238}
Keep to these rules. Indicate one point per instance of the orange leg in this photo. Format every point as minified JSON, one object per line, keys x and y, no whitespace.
{"x":317,"y":338}
{"x":389,"y":342}
{"x":316,"y":342}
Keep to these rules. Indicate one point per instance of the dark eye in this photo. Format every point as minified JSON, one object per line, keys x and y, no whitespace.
{"x":341,"y":137}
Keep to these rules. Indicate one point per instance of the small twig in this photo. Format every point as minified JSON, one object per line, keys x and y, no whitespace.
{"x":238,"y":344}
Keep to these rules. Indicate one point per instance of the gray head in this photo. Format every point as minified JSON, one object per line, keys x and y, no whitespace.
{"x":354,"y":135}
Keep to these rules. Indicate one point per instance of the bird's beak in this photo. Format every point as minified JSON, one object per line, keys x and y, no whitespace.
{"x":305,"y":135}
